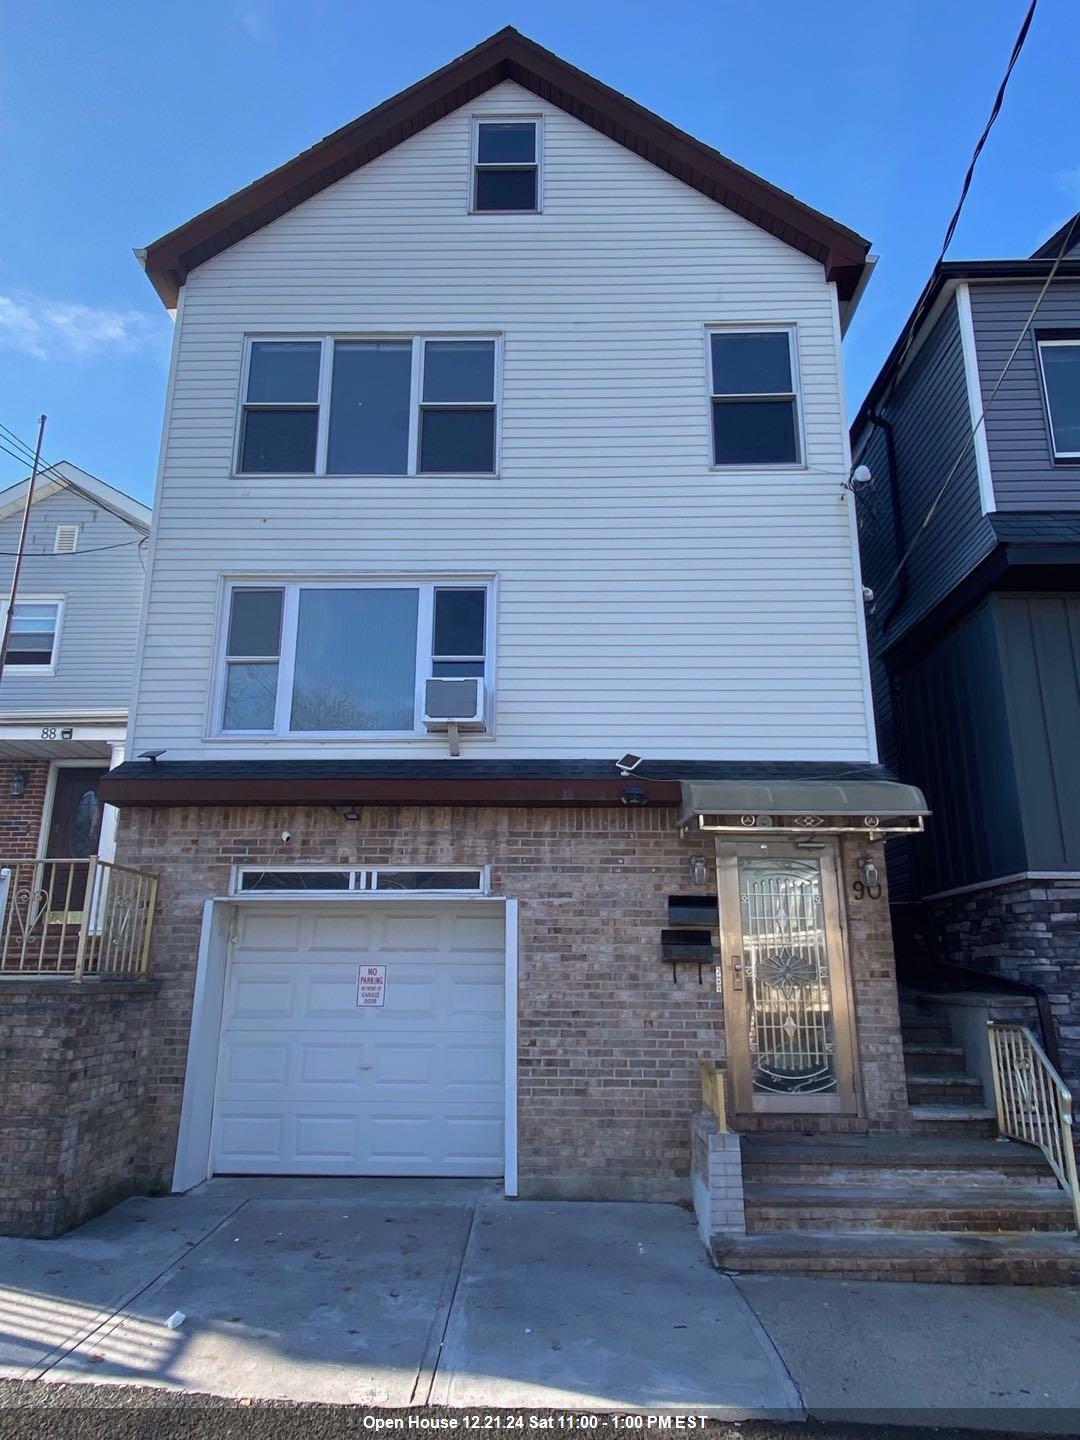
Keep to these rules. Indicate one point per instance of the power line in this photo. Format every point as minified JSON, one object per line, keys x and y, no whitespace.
{"x":986,"y":405}
{"x":950,"y":229}
{"x":52,"y":472}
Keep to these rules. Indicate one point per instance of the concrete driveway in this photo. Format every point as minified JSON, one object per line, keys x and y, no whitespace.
{"x":391,"y":1293}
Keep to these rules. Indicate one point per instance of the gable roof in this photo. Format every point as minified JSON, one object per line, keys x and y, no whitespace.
{"x":506,"y":55}
{"x":65,"y":476}
{"x":943,"y":280}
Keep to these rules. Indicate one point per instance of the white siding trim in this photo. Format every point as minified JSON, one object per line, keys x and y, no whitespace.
{"x":974,"y":393}
{"x":155,"y":522}
{"x":848,"y":499}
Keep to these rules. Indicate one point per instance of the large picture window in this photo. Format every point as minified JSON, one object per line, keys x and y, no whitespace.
{"x":411,"y":406}
{"x":345,"y":658}
{"x":1059,"y":361}
{"x":755,"y":400}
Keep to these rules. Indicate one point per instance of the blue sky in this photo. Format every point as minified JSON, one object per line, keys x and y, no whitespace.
{"x":119,"y":120}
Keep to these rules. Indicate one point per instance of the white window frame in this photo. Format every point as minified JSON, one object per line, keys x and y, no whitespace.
{"x":791,"y":330}
{"x":497,"y":118}
{"x":1046,"y":341}
{"x":13,"y":668}
{"x":292,"y":585}
{"x":418,"y":340}
{"x":363,"y":880}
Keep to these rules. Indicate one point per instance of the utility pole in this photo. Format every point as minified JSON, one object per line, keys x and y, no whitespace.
{"x":21,"y":547}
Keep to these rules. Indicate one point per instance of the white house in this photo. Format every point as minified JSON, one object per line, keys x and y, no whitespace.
{"x":503,"y":673}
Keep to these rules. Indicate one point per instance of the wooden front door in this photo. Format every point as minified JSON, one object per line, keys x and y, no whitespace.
{"x":74,"y":830}
{"x":787,"y":1013}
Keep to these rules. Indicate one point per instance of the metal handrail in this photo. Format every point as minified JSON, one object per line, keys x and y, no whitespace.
{"x":1034,"y":1104}
{"x":75,"y":918}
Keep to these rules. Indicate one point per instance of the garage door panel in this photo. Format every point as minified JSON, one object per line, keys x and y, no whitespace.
{"x":310,"y":1082}
{"x":340,"y":930}
{"x":272,"y":930}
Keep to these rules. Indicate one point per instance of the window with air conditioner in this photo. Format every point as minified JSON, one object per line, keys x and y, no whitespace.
{"x":346,"y":658}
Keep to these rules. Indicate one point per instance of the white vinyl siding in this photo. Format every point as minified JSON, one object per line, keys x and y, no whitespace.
{"x":646,"y":601}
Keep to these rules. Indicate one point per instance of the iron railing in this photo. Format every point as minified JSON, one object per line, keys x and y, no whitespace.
{"x":75,"y":918}
{"x":1033,"y":1102}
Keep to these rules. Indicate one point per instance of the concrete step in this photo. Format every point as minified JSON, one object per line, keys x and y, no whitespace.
{"x":958,"y":1258}
{"x":865,"y":1154}
{"x":945,"y":1090}
{"x":931,"y":1119}
{"x":846,"y":1209}
{"x":935,"y":1059}
{"x":925,"y":1032}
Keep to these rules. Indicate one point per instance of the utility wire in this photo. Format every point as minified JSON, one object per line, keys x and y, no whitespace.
{"x":52,"y":472}
{"x":950,"y":229}
{"x":986,"y":405}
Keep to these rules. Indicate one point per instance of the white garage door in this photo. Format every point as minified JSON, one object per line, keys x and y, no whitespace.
{"x":312,"y":1083}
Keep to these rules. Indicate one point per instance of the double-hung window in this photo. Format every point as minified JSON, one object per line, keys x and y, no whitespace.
{"x":506,"y":166}
{"x":755,"y":399}
{"x":1059,"y":363}
{"x":32,"y":643}
{"x":343,"y":657}
{"x":413,"y":406}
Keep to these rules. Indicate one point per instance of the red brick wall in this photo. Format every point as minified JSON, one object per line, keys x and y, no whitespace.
{"x":72,"y":1119}
{"x":608,"y":1047}
{"x":20,"y":816}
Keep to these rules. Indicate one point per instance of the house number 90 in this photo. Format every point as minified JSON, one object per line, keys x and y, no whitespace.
{"x":861,"y":891}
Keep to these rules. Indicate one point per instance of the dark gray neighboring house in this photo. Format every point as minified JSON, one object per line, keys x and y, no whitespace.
{"x":975,"y":641}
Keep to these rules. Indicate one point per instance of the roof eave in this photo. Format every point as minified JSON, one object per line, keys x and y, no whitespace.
{"x":507,"y":55}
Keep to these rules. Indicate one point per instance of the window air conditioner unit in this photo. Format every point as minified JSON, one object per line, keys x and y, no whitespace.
{"x":457,"y":703}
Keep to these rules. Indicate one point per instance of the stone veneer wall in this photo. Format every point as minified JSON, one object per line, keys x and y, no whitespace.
{"x":608,"y":1045}
{"x":72,"y":1121}
{"x":1028,"y":930}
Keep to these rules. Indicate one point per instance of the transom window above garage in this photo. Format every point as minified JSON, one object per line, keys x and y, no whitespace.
{"x":346,"y":658}
{"x":298,"y":880}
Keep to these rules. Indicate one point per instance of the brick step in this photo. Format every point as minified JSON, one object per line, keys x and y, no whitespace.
{"x":936,"y":1059}
{"x":944,"y":1090}
{"x":954,"y":1119}
{"x":873,"y":1152}
{"x":843,"y":1209}
{"x":958,"y":1258}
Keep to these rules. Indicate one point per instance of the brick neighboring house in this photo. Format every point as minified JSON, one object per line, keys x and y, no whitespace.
{"x":505,"y":437}
{"x":974,"y":644}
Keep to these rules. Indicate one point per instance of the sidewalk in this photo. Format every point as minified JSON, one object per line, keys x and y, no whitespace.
{"x":403,"y":1294}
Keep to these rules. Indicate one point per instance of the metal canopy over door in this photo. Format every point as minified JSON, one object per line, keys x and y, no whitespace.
{"x":787,"y":1015}
{"x":362,"y":1038}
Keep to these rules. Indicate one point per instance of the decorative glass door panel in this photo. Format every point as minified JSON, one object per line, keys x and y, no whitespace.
{"x":785,"y":980}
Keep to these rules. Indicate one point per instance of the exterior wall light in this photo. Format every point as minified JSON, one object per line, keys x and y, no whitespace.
{"x":18,"y":783}
{"x":633,"y":795}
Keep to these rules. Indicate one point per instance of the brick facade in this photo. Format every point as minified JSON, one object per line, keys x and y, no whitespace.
{"x":608,"y":1044}
{"x":20,"y":815}
{"x":1028,"y":930}
{"x":72,"y":1125}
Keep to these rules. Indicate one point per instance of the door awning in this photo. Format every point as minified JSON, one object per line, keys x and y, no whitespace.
{"x":882,"y":807}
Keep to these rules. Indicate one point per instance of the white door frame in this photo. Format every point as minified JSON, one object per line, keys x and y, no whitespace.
{"x":194,"y":1156}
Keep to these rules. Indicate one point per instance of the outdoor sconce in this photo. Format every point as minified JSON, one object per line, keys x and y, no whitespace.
{"x":699,"y":869}
{"x":869,"y":881}
{"x":18,"y":784}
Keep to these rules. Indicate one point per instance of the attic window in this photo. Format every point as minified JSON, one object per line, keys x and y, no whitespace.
{"x":67,"y":540}
{"x":506,"y":168}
